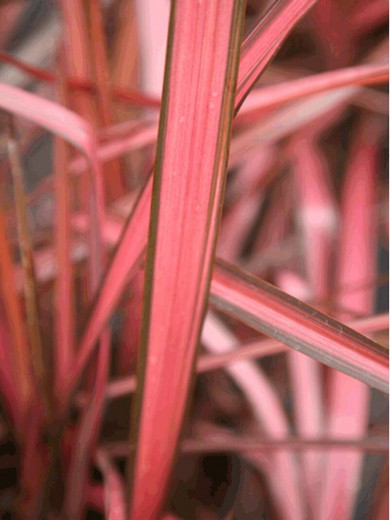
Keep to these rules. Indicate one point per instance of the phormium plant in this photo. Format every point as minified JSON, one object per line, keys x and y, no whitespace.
{"x":193,"y":259}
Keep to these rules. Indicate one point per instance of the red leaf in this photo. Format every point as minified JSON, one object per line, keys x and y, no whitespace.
{"x":20,"y":361}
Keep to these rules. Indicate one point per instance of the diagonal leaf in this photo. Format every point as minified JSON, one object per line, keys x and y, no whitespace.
{"x":192,"y":154}
{"x":132,"y":96}
{"x":105,"y":307}
{"x":275,"y":95}
{"x":268,"y":310}
{"x":264,"y":41}
{"x":253,"y":349}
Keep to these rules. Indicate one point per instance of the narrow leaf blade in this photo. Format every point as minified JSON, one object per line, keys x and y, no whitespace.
{"x":265,"y":308}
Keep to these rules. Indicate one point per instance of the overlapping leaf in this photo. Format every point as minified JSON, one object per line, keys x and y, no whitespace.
{"x":265,"y":308}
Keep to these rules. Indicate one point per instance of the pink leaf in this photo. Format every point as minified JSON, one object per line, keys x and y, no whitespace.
{"x":114,"y":495}
{"x":253,"y":349}
{"x":267,"y":410}
{"x":349,"y":399}
{"x":265,"y":308}
{"x":189,"y":178}
{"x":75,"y":130}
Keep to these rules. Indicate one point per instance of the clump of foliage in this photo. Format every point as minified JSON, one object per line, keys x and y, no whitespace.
{"x":193,"y":252}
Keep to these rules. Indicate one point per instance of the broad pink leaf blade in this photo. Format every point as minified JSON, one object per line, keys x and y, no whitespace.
{"x":190,"y":170}
{"x":252,"y":64}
